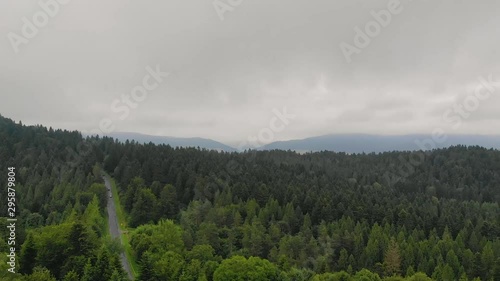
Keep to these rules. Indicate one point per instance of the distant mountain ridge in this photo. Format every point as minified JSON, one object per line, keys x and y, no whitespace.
{"x":172,"y":141}
{"x":349,"y":143}
{"x":359,"y":143}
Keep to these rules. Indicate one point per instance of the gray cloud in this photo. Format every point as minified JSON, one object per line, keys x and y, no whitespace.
{"x":227,"y":76}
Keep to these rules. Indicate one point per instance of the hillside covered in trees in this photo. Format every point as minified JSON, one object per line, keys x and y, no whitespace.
{"x":196,"y":214}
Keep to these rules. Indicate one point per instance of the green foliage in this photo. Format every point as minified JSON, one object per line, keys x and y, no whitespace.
{"x":71,"y":276}
{"x":52,"y":245}
{"x":295,"y":274}
{"x":99,"y":190}
{"x":92,"y":216}
{"x":419,"y":276}
{"x":239,"y":268}
{"x":366,"y":275}
{"x":164,"y":236}
{"x":392,"y":259}
{"x":40,"y":274}
{"x":203,"y":253}
{"x":81,"y":239}
{"x":193,"y":271}
{"x":27,"y":258}
{"x":169,"y":266}
{"x":147,"y":271}
{"x":144,"y":208}
{"x":337,"y":276}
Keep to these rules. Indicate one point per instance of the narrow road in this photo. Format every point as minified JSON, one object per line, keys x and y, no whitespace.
{"x":114,"y":228}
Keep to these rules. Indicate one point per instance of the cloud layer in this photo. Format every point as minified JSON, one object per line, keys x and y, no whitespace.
{"x":227,"y":76}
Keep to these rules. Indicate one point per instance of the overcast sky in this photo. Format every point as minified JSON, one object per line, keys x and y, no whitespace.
{"x":227,"y":76}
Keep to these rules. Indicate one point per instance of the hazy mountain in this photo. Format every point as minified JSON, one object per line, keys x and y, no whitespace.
{"x":349,"y":143}
{"x":358,"y":143}
{"x":172,"y":141}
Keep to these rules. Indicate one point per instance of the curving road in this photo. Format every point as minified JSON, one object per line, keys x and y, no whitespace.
{"x":114,"y":228}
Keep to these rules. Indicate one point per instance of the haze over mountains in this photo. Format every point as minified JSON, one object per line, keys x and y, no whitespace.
{"x":349,"y":143}
{"x":172,"y":141}
{"x":359,"y":143}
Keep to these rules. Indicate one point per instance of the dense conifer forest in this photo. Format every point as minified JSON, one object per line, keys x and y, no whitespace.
{"x":194,"y":214}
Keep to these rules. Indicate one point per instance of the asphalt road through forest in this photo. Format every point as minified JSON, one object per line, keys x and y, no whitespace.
{"x":114,"y":229}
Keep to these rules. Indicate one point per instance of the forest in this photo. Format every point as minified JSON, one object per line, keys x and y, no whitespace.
{"x":195,"y":214}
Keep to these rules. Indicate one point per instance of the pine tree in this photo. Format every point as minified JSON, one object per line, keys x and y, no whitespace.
{"x":71,"y":276}
{"x":27,"y":259}
{"x":343,"y":262}
{"x":143,"y":209}
{"x":463,"y":277}
{"x":147,"y":271}
{"x":89,"y":272}
{"x":168,"y":203}
{"x":81,"y":240}
{"x":447,"y":273}
{"x":392,"y":260}
{"x":410,"y":271}
{"x":40,"y":274}
{"x":103,"y":265}
{"x":116,"y":276}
